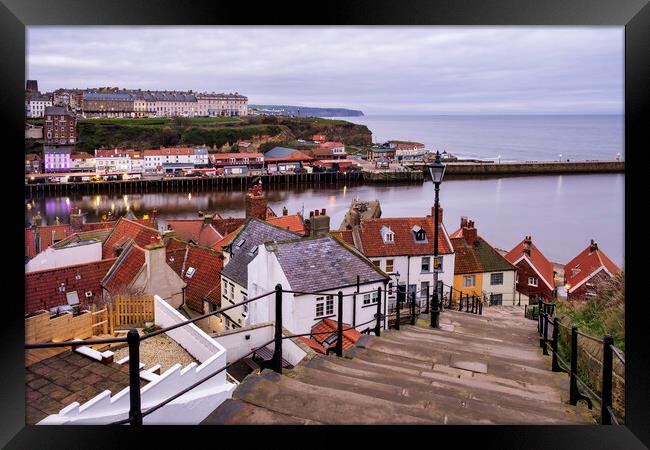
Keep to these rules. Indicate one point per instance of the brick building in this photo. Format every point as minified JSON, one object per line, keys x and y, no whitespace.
{"x":535,"y":275}
{"x":60,"y":126}
{"x":584,"y":272}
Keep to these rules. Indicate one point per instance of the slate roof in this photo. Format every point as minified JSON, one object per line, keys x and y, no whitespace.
{"x":55,"y":382}
{"x":536,"y":259}
{"x":255,"y":232}
{"x":125,"y":228}
{"x":319,"y":264}
{"x":370,"y":241}
{"x":285,"y":154}
{"x":478,"y":259}
{"x":196,"y":230}
{"x":108,"y":96}
{"x":124,"y":271}
{"x":57,"y":111}
{"x":586,"y":264}
{"x":42,"y":286}
{"x":205,"y":282}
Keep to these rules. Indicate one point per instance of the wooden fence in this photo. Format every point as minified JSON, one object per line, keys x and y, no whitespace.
{"x":131,"y":310}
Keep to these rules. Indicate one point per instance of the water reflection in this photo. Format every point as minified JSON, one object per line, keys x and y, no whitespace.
{"x":562,"y":213}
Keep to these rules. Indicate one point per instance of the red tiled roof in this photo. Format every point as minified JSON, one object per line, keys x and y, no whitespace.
{"x":536,"y":260}
{"x":217,"y":156}
{"x":125,"y":270}
{"x":205,"y":281}
{"x":350,"y":337}
{"x":344,"y":235}
{"x":42,"y":287}
{"x":47,"y":235}
{"x":373,"y":245}
{"x":292,"y":223}
{"x":125,"y":228}
{"x":228,"y":225}
{"x":227,"y":239}
{"x":587,"y":263}
{"x":330,"y":144}
{"x":118,"y":153}
{"x":81,"y":156}
{"x":91,"y":226}
{"x":169,"y":151}
{"x":195,"y":230}
{"x":296,"y":155}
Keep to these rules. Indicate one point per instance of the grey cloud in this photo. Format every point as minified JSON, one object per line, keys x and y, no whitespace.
{"x":436,"y":70}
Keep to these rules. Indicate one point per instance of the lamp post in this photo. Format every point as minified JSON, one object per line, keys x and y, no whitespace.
{"x":397,"y":310}
{"x":437,"y":171}
{"x":499,"y":157}
{"x":567,"y":287}
{"x":560,"y":157}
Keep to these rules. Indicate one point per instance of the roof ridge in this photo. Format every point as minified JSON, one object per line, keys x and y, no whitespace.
{"x":69,"y":267}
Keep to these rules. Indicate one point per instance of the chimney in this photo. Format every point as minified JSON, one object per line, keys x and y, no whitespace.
{"x":593,"y":246}
{"x":355,"y":217}
{"x":38,"y":220}
{"x":285,"y":211}
{"x":527,"y":245}
{"x":256,"y":202}
{"x":76,"y":219}
{"x":469,"y":231}
{"x":433,"y":213}
{"x":320,"y":224}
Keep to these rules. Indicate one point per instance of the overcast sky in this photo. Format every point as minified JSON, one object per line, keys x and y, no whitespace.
{"x":379,"y":70}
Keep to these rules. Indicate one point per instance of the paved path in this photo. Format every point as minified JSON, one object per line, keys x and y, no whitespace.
{"x":475,"y":370}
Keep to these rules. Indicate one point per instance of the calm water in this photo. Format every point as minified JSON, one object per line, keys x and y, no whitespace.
{"x":562,"y":213}
{"x":515,"y":138}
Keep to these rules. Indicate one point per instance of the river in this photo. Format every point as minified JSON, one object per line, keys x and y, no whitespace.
{"x":561,"y":213}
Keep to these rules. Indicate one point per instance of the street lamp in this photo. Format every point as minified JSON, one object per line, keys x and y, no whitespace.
{"x":560,"y":157}
{"x":499,"y":157}
{"x":437,"y":171}
{"x":567,"y":287}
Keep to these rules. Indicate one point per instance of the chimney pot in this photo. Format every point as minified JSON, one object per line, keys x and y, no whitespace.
{"x":316,"y":213}
{"x":322,"y":213}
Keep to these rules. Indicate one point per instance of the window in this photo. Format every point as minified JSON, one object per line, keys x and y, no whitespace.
{"x":469,"y":281}
{"x":496,"y":299}
{"x":426,"y":264}
{"x":419,"y":234}
{"x":389,"y":265}
{"x":244,"y":307}
{"x":320,"y":307}
{"x":377,"y":262}
{"x":232,"y":290}
{"x":329,"y":305}
{"x":532,"y":281}
{"x":190,"y":271}
{"x":496,"y":279}
{"x":390,"y":288}
{"x":370,"y":298}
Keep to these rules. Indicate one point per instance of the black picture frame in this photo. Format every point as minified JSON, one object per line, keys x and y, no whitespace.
{"x":633,"y":14}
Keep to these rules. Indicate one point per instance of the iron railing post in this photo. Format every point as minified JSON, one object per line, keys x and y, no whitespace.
{"x":427,"y":301}
{"x":135,"y":408}
{"x":555,"y":366}
{"x":397,"y":303}
{"x":519,"y":304}
{"x":606,"y":388}
{"x":526,"y":311}
{"x":545,"y":335}
{"x":573,"y":386}
{"x":460,"y":301}
{"x":451,"y":296}
{"x":480,"y":307}
{"x":276,"y":362}
{"x":412,"y":308}
{"x":467,"y":303}
{"x":339,"y":331}
{"x":378,"y":325}
{"x":435,"y":309}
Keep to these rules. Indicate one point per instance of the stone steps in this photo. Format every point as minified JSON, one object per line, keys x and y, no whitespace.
{"x":476,"y":370}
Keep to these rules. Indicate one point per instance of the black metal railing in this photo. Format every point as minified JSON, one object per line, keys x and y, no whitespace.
{"x":547,"y":318}
{"x":134,"y":339}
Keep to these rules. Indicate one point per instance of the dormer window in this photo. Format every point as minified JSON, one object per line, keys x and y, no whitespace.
{"x":419,"y":234}
{"x":388,"y":235}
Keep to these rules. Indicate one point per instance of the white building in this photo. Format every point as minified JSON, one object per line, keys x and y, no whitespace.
{"x":406,"y":246}
{"x":36,"y":106}
{"x":222,"y":105}
{"x":317,"y":269}
{"x":118,"y":160}
{"x":238,"y":254}
{"x":155,"y":160}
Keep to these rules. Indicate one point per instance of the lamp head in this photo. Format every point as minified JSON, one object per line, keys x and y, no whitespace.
{"x":436,"y":169}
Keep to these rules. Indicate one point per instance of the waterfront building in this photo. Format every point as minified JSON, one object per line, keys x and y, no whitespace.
{"x":406,"y":246}
{"x":118,"y":160}
{"x":535,"y":279}
{"x":282,"y":159}
{"x":57,"y":158}
{"x":172,"y":159}
{"x":36,"y":106}
{"x":33,"y":163}
{"x":584,"y":272}
{"x":222,"y":105}
{"x":60,"y":126}
{"x":405,"y":151}
{"x":319,"y":138}
{"x":337,"y":148}
{"x":316,"y":268}
{"x":238,"y":163}
{"x":374,"y":153}
{"x":480,"y":269}
{"x":82,"y":162}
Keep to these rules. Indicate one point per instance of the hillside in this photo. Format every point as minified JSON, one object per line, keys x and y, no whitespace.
{"x":213,"y":132}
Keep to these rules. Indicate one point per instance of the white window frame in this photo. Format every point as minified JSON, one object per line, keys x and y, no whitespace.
{"x":492,"y":279}
{"x":467,"y":278}
{"x":422,"y":263}
{"x":532,"y":281}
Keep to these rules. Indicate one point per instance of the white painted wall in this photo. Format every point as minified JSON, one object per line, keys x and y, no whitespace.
{"x":299,"y":311}
{"x":52,"y":258}
{"x":507,"y":289}
{"x":190,"y":408}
